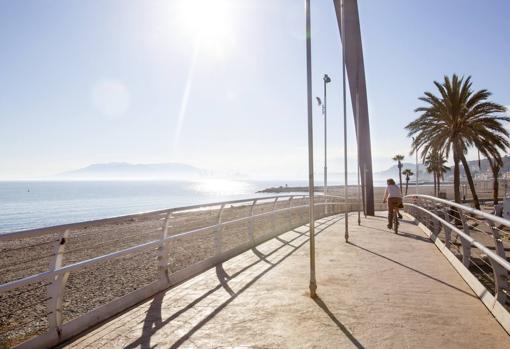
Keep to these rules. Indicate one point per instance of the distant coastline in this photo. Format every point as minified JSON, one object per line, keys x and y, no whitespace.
{"x":333,"y":188}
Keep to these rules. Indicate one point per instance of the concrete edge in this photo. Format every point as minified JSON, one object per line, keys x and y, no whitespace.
{"x":497,"y":310}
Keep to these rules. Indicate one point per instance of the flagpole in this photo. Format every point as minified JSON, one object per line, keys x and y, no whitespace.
{"x":346,"y":189}
{"x":313,"y":282}
{"x":357,"y":153}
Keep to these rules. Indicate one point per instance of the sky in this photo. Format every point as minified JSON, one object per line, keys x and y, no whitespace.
{"x":223,"y":86}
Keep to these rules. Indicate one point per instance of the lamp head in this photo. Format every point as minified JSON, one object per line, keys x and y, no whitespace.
{"x":319,"y":102}
{"x":327,"y":79}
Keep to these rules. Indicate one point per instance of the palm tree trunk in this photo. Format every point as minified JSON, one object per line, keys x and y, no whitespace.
{"x":495,"y":184}
{"x":438,"y":184}
{"x":407,"y":183}
{"x":470,"y":181}
{"x":435,"y":184}
{"x":400,"y":175}
{"x":456,"y":178}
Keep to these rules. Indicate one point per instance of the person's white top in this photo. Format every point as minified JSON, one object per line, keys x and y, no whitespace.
{"x":392,"y":191}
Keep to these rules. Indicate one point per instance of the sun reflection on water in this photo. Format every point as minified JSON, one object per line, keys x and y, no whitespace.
{"x":223,"y":187}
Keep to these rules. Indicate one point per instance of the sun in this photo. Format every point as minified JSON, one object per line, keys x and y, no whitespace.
{"x":209,"y":20}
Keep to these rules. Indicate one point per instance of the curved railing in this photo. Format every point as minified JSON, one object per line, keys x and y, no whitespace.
{"x":475,"y":242}
{"x":58,"y":281}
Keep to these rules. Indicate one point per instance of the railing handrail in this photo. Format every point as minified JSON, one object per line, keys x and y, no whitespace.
{"x":59,"y":228}
{"x":57,"y":273}
{"x":504,"y":263}
{"x":493,"y":218}
{"x":147,"y":245}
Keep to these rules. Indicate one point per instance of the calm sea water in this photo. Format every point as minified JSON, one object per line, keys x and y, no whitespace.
{"x":26,"y":204}
{"x":35,"y":204}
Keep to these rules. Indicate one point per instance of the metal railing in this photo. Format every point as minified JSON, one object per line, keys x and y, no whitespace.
{"x":58,"y":281}
{"x":477,"y":240}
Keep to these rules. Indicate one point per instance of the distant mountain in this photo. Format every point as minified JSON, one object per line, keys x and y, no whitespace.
{"x":392,"y":172}
{"x":123,"y":170}
{"x":475,"y":167}
{"x":484,"y":165}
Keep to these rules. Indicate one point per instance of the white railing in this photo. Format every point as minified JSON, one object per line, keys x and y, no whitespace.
{"x":42,"y":269}
{"x":475,"y":242}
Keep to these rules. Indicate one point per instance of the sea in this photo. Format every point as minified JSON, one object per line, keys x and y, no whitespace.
{"x":36,"y":204}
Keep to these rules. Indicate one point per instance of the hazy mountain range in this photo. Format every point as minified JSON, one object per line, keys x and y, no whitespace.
{"x":180,"y":171}
{"x":423,"y":174}
{"x":123,"y":170}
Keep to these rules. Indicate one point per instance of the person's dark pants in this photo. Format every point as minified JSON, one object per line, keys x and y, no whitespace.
{"x":392,"y":204}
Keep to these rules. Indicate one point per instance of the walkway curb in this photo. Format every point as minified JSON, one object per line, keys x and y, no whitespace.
{"x":496,"y":309}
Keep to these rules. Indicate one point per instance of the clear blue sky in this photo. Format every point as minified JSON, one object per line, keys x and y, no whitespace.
{"x":146,"y":81}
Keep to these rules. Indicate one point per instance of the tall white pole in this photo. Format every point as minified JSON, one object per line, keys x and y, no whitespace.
{"x":416,"y":186}
{"x":357,"y":153}
{"x":364,"y":188}
{"x":346,"y":189}
{"x":313,"y":282}
{"x":325,"y":141}
{"x":416,"y":171}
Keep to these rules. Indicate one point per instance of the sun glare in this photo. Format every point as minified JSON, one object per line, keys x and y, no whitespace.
{"x":222,"y":187}
{"x":210,"y":20}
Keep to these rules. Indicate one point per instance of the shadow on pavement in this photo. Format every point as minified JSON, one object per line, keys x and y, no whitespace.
{"x":415,"y":270}
{"x":153,"y":319}
{"x":337,"y":322}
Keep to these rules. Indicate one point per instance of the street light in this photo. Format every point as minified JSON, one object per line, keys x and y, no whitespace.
{"x":326,"y":80}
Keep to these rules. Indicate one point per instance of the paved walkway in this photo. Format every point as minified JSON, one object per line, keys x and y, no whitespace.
{"x":380,"y":291}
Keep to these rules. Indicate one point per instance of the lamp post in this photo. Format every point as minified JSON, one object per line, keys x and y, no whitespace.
{"x":324,"y":105}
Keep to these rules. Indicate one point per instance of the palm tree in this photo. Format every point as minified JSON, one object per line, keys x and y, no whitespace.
{"x":429,"y":165}
{"x":398,"y":158}
{"x":441,"y":169}
{"x":436,"y":164}
{"x":408,"y":173}
{"x":495,"y":168}
{"x":456,"y":120}
{"x":495,"y":163}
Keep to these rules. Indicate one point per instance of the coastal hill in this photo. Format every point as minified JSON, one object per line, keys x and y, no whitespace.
{"x":123,"y":170}
{"x":393,"y":170}
{"x":476,"y":168}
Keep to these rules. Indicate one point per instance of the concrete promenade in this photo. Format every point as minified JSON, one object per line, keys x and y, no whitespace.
{"x":379,"y":291}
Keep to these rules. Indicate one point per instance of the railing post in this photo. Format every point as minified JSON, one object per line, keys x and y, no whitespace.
{"x":56,"y":286}
{"x":251,"y":226}
{"x":419,"y":213}
{"x":218,"y":241}
{"x":273,"y":225}
{"x":429,"y":207}
{"x":304,"y":197}
{"x":163,"y":252}
{"x":447,"y":231}
{"x":290,"y":212}
{"x":500,"y":273}
{"x":466,"y":245}
{"x":437,"y":227}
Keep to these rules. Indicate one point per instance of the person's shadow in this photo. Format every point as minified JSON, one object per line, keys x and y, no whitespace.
{"x":151,"y":321}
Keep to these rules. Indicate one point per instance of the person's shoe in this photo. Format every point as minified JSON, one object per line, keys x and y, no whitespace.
{"x":389,"y":226}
